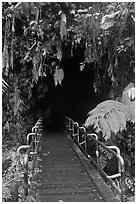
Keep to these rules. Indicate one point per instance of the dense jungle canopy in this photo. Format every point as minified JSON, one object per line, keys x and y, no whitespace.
{"x":62,"y":51}
{"x":66,"y":57}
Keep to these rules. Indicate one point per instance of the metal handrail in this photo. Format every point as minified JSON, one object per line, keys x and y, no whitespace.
{"x":31,"y":150}
{"x":30,"y":135}
{"x":121,"y":169}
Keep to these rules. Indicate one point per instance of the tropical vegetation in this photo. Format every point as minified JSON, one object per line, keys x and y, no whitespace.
{"x":36,"y":38}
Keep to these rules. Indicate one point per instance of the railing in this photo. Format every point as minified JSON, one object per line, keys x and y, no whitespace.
{"x":82,"y":138}
{"x":31,"y":151}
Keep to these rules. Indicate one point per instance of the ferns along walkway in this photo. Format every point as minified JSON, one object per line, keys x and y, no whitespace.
{"x":65,"y":175}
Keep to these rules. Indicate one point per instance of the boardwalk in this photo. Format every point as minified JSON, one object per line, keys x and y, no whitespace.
{"x":63,"y":177}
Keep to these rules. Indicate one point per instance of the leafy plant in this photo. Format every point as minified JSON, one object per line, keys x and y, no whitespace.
{"x":12,"y":176}
{"x":12,"y":180}
{"x":47,"y":29}
{"x":109,"y":116}
{"x":114,"y":123}
{"x":38,"y":36}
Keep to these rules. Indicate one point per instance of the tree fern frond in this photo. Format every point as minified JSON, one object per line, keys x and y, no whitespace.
{"x":97,"y":129}
{"x":121,"y":119}
{"x":113,"y":121}
{"x":93,"y":119}
{"x":109,"y":105}
{"x":109,"y":116}
{"x":104,"y":126}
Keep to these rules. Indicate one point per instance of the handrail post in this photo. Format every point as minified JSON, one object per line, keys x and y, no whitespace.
{"x":28,"y":137}
{"x":25,"y":165}
{"x":19,"y":149}
{"x":120,"y":166}
{"x":73,"y":130}
{"x":85,"y":142}
{"x":122,"y":178}
{"x":36,"y":131}
{"x":77,"y":126}
{"x":26,"y":186}
{"x":68,"y":124}
{"x":121,"y":169}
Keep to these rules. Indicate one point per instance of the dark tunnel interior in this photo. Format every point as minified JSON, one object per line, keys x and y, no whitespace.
{"x":74,"y":98}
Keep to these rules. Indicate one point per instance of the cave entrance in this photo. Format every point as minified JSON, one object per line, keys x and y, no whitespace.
{"x":75,"y":97}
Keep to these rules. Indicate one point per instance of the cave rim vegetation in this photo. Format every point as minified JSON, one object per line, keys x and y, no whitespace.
{"x":68,"y":58}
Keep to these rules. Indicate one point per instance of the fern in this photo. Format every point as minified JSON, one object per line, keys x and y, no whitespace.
{"x":109,"y":116}
{"x":113,"y":121}
{"x":103,"y":124}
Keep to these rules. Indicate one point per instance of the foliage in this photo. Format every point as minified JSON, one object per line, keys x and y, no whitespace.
{"x":109,"y":116}
{"x":12,"y":178}
{"x":125,"y":140}
{"x":128,"y":97}
{"x":126,"y":143}
{"x":47,"y":30}
{"x":15,"y":126}
{"x":38,"y":36}
{"x":117,"y":129}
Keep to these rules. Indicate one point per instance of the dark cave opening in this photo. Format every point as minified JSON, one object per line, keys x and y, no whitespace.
{"x":74,"y":98}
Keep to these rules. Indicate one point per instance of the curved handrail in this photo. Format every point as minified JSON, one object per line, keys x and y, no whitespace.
{"x":32,"y":149}
{"x":121,"y":167}
{"x":110,"y":149}
{"x":30,"y":135}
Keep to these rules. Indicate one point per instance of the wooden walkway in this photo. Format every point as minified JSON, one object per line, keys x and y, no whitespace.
{"x":63,"y":177}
